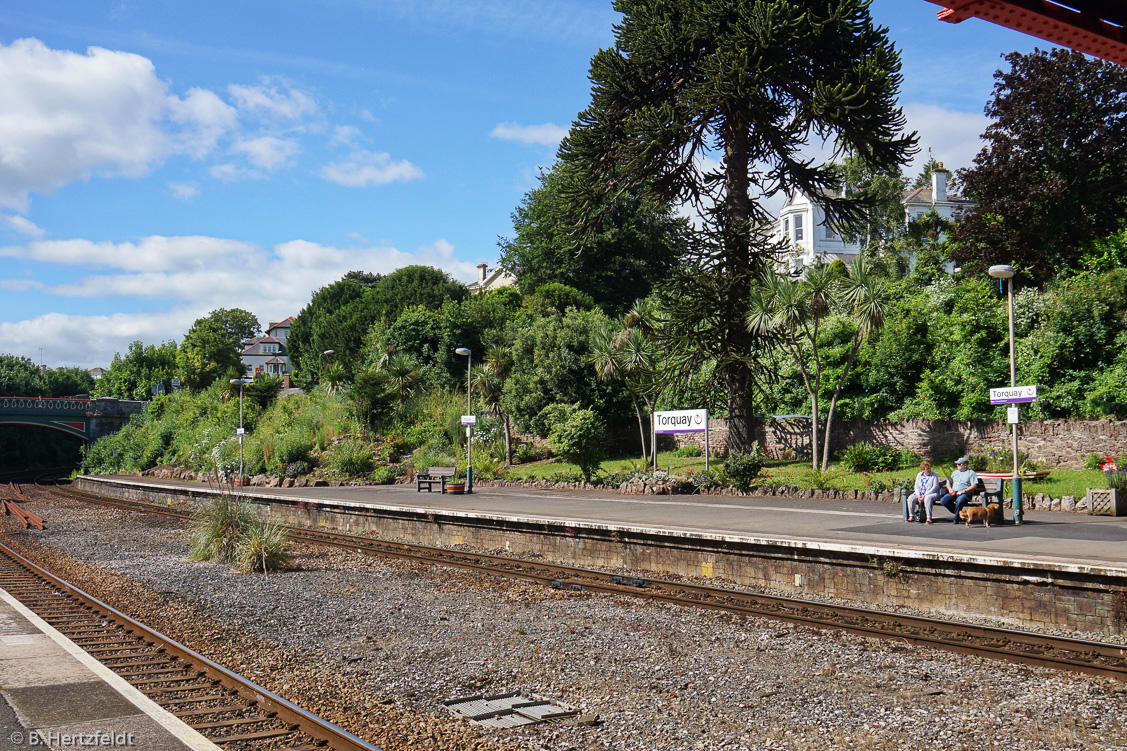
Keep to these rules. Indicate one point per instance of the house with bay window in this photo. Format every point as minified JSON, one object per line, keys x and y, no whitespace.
{"x":802,"y":221}
{"x":267,"y":354}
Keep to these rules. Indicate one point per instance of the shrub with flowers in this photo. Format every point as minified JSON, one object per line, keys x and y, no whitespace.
{"x":874,"y":484}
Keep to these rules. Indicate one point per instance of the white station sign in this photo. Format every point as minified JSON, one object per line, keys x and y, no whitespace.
{"x":681,"y":421}
{"x":1013,"y":395}
{"x":469,"y":419}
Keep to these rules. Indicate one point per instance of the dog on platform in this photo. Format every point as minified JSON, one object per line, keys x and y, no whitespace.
{"x":974,"y":513}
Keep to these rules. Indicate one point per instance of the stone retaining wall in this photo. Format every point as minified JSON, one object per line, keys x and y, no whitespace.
{"x":1054,"y":443}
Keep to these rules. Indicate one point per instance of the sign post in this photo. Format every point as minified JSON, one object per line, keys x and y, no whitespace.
{"x":681,"y":421}
{"x":469,"y":421}
{"x":1014,"y":395}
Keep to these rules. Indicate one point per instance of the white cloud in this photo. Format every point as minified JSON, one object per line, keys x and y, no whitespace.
{"x":20,"y":285}
{"x":548,"y":134}
{"x":24,"y":226}
{"x":364,"y":168}
{"x":273,"y":100}
{"x":954,"y":137}
{"x":231,"y":172}
{"x":66,"y":116}
{"x":155,"y":253}
{"x":267,"y":152}
{"x":184,"y":191}
{"x":188,"y":277}
{"x":345,"y":135}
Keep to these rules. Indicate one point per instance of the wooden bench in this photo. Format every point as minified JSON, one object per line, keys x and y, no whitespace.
{"x":988,"y":490}
{"x":432,"y":476}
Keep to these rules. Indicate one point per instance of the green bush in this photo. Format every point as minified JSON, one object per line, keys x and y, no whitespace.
{"x":263,"y":547}
{"x":218,"y":526}
{"x":869,"y":457}
{"x":688,"y":450}
{"x":351,"y":457}
{"x":741,"y":468}
{"x":384,"y":475}
{"x":579,"y":440}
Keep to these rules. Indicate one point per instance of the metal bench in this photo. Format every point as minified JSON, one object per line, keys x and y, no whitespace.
{"x":434,"y":475}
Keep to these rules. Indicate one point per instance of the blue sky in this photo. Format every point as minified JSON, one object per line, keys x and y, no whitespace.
{"x":161,"y":160}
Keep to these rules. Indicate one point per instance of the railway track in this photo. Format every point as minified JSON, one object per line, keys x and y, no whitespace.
{"x":228,"y":710}
{"x":1011,"y":645}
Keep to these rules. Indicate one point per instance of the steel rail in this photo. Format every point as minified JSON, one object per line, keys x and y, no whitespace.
{"x":1012,"y":645}
{"x":337,"y":738}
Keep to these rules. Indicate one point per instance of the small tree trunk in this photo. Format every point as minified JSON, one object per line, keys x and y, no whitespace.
{"x":833,"y":402}
{"x":508,"y":441}
{"x":641,"y":428}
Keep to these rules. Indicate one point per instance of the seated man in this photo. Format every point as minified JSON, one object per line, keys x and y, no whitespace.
{"x":961,"y":487}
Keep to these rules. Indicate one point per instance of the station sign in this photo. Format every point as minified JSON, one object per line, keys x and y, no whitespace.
{"x":1013,"y":395}
{"x":469,"y":419}
{"x":681,"y":421}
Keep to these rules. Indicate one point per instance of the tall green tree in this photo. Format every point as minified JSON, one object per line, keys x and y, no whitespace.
{"x":336,"y":318}
{"x":19,"y":376}
{"x":1053,"y":175}
{"x":207,"y":352}
{"x":133,"y":376}
{"x":709,"y":103}
{"x":635,"y":244}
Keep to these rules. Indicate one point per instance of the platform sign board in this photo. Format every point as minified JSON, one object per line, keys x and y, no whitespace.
{"x":469,"y":419}
{"x":1013,"y":395}
{"x":681,"y":421}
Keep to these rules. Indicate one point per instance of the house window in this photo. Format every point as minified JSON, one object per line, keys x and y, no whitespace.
{"x":269,"y":348}
{"x":798,"y":228}
{"x":786,"y":228}
{"x":830,"y":234}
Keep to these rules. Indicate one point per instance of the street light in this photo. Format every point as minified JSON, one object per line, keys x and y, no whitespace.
{"x":1005,"y":271}
{"x":240,"y":381}
{"x":464,"y":352}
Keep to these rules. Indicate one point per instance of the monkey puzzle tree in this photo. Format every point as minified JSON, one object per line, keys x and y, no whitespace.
{"x":709,"y":103}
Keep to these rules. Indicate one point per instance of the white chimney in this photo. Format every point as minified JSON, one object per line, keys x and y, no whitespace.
{"x":939,"y":183}
{"x":482,"y":271}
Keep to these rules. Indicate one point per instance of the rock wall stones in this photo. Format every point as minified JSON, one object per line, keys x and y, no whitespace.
{"x":1055,"y":443}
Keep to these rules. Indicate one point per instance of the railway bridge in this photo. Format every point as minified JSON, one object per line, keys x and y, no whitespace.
{"x":88,"y":419}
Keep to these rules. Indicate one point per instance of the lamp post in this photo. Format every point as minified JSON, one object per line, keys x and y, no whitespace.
{"x":464,"y":352}
{"x":1005,"y":271}
{"x":241,"y":382}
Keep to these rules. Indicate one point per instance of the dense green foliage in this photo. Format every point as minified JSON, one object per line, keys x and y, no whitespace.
{"x":134,"y":375}
{"x":633,"y":247}
{"x":577,"y":438}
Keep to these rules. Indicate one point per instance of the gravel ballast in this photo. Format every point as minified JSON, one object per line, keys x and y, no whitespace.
{"x":376,"y":645}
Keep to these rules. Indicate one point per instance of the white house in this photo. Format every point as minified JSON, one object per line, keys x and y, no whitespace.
{"x":802,"y":225}
{"x":487,"y":281}
{"x":267,"y":355}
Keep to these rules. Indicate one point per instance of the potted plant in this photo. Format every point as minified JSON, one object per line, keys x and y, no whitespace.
{"x":1112,"y":500}
{"x":457,"y":483}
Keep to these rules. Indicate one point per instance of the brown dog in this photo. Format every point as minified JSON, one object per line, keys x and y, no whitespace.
{"x":978,"y":512}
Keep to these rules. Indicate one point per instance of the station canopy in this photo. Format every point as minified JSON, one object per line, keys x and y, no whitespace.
{"x":1095,"y":27}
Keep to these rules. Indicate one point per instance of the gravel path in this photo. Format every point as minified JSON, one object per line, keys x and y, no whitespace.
{"x":376,"y":646}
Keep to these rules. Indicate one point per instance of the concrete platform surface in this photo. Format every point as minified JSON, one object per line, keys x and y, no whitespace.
{"x":1068,"y":540}
{"x":51,"y":688}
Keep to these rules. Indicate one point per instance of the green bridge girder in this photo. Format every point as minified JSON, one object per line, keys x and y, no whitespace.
{"x":87,"y":419}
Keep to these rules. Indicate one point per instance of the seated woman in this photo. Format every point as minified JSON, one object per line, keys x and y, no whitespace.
{"x":961,"y":487}
{"x":924,"y":493}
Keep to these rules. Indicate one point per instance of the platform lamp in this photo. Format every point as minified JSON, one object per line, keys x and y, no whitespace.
{"x":1004,"y":272}
{"x":241,"y":381}
{"x":464,"y":352}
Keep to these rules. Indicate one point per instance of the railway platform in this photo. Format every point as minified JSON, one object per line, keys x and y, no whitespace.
{"x":54,"y":695}
{"x":1069,"y":539}
{"x":1056,"y":570}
